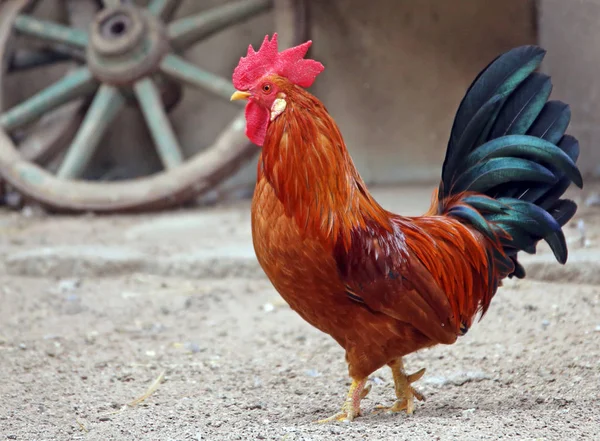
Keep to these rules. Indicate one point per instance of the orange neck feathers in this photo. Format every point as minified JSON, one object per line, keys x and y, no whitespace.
{"x":305,"y":160}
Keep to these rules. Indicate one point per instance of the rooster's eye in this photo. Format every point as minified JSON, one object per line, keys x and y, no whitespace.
{"x":266,"y":88}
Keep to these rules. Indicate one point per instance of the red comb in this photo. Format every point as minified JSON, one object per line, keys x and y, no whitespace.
{"x":289,"y":64}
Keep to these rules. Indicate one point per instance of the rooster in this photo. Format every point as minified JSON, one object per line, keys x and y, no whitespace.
{"x":385,"y":285}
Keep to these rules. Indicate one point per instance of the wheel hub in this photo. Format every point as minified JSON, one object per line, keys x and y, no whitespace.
{"x":127,"y":56}
{"x":126,"y":44}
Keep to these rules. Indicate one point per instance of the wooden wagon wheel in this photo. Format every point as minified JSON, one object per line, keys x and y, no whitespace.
{"x":128,"y":52}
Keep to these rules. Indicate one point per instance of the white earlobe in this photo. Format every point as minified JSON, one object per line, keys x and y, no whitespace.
{"x":277,"y":108}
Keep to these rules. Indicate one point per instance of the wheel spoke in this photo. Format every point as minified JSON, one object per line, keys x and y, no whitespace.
{"x":104,"y":108}
{"x":24,"y":59}
{"x":51,"y":133}
{"x":292,"y":17}
{"x":163,"y":8}
{"x":46,"y":30}
{"x":77,"y":83}
{"x":158,"y":123}
{"x":179,"y":69}
{"x":187,"y":31}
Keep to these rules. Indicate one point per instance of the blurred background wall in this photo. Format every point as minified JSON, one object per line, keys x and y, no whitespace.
{"x":570,"y":32}
{"x":396,"y":72}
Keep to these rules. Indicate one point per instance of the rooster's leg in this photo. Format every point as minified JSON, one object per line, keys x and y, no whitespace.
{"x":405,"y":393}
{"x":351,"y":408}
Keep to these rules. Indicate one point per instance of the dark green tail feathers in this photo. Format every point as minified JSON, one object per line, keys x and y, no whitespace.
{"x":508,"y":146}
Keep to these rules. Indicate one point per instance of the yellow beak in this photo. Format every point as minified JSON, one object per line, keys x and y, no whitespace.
{"x":239,"y":95}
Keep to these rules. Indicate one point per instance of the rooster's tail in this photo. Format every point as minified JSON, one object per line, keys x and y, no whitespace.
{"x":509,"y":160}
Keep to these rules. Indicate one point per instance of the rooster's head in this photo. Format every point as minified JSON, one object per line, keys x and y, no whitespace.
{"x":262,"y":77}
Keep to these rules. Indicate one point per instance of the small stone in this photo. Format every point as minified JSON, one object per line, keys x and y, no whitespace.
{"x":312,"y":373}
{"x":597,"y":328}
{"x":268,"y":307}
{"x":104,"y":418}
{"x":68,"y":285}
{"x":151,"y":353}
{"x":194,"y":348}
{"x":129,"y":294}
{"x":545,"y":323}
{"x":157,"y":328}
{"x":22,"y":346}
{"x":90,"y":337}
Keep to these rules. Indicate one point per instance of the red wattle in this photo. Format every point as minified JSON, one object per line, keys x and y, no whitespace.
{"x":257,"y":120}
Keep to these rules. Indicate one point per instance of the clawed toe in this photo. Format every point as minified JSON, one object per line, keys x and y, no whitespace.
{"x":398,"y":406}
{"x":416,"y":376}
{"x":344,"y":417}
{"x":405,"y":393}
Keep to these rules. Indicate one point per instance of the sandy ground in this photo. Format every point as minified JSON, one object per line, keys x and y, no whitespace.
{"x":83,"y":336}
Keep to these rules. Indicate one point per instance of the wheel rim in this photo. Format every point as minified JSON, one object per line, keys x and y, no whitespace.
{"x":125,"y":49}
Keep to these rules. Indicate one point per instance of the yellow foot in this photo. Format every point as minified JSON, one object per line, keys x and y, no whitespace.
{"x":351,"y":407}
{"x":343,"y":416}
{"x":405,"y":393}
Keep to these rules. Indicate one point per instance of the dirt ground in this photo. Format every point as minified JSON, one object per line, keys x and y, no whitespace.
{"x":97,"y":310}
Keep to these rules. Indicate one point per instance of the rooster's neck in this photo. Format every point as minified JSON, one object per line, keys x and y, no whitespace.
{"x":305,"y":160}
